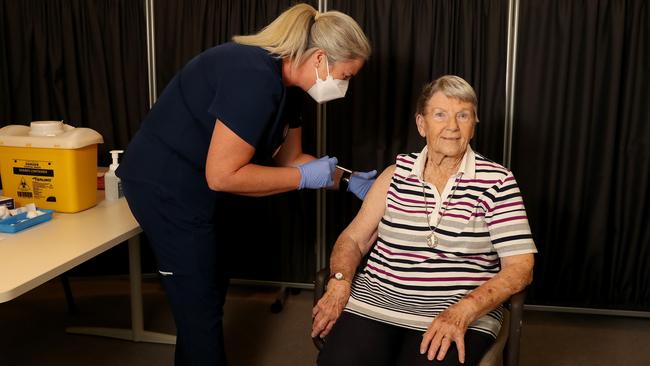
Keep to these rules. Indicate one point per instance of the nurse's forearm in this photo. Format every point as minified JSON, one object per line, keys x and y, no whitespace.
{"x":257,"y":180}
{"x":300,"y":159}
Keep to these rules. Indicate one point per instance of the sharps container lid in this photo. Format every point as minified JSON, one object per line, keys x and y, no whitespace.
{"x":46,"y":128}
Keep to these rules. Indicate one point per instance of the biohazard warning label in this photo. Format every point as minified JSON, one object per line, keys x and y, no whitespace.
{"x":24,"y":189}
{"x":36,"y":179}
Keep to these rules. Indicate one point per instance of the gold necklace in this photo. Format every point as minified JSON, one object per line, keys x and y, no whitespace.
{"x":432,"y":239}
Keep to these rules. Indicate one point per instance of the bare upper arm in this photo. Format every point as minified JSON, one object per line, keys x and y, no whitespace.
{"x":519,"y":260}
{"x":227,"y":153}
{"x":519,"y":267}
{"x":365,"y":223}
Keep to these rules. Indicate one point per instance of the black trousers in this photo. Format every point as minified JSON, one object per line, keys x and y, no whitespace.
{"x":191,"y":266}
{"x":358,"y":341}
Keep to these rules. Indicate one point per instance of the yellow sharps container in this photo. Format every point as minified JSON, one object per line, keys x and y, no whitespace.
{"x":50,"y":164}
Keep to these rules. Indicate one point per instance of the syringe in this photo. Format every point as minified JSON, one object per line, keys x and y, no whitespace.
{"x":344,"y":169}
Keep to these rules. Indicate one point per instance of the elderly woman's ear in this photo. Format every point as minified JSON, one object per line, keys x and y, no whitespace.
{"x":419,"y":122}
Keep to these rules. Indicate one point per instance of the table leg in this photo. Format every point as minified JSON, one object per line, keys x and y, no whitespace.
{"x":137,"y":332}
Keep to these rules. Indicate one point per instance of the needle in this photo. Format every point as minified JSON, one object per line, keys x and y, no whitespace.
{"x":345,"y":170}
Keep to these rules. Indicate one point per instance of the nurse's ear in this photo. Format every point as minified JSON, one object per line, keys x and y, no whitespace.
{"x":318,"y":58}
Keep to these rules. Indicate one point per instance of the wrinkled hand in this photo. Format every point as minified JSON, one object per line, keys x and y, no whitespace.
{"x":329,"y":307}
{"x":449,"y":326}
{"x":317,"y":173}
{"x":360,"y":183}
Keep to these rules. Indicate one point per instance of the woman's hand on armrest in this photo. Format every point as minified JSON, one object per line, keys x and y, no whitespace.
{"x":451,"y":325}
{"x":329,"y":307}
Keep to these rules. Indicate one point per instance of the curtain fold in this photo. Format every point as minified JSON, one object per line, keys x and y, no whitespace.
{"x":184,"y":28}
{"x":80,"y":61}
{"x":581,"y":149}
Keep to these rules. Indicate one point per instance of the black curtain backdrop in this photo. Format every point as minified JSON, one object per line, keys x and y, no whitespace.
{"x":581,"y":149}
{"x":414,"y":42}
{"x":81,"y":61}
{"x":184,"y":28}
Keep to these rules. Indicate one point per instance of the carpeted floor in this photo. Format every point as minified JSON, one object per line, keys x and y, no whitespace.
{"x":33,"y":330}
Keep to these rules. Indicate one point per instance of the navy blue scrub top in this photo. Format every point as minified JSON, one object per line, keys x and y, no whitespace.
{"x":237,"y":84}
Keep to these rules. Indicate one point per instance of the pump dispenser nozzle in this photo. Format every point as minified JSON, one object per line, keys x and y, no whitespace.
{"x":112,"y":183}
{"x":115,"y":154}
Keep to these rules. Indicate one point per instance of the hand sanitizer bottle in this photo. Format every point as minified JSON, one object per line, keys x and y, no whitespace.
{"x":112,"y":183}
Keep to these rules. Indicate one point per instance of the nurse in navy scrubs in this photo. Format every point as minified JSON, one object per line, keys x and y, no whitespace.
{"x":224,"y":110}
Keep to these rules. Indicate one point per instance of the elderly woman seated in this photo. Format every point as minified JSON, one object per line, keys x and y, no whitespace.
{"x":449,"y":242}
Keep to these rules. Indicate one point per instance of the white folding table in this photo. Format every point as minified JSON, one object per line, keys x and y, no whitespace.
{"x":38,"y":254}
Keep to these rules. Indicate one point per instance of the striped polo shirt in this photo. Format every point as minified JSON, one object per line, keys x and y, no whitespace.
{"x":405,"y":281}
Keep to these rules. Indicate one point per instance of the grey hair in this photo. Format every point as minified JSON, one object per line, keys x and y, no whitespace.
{"x":451,"y":86}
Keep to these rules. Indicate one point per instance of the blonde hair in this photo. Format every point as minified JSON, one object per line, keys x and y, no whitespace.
{"x":451,"y":86}
{"x":300,"y":30}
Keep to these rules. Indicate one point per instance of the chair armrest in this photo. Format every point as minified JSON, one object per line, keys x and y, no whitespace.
{"x":320,"y":283}
{"x":516,"y":305}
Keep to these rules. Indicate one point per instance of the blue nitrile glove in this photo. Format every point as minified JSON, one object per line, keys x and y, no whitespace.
{"x":317,"y":173}
{"x":360,"y":183}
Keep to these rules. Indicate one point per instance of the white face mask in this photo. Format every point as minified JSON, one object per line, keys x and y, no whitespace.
{"x":328,"y":89}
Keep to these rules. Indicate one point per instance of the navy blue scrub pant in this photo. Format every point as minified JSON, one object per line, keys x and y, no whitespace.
{"x":191,"y":268}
